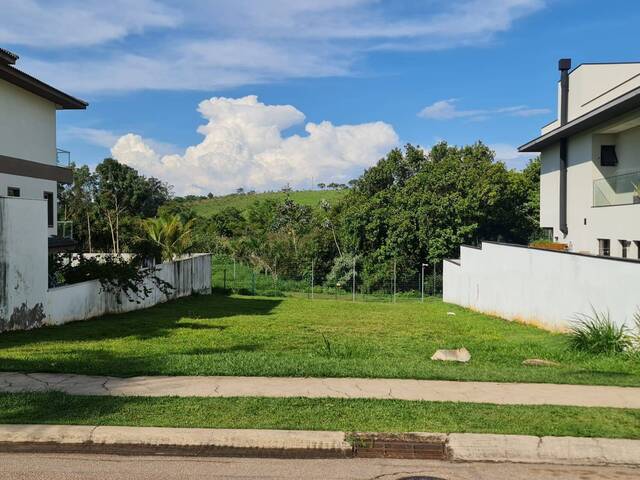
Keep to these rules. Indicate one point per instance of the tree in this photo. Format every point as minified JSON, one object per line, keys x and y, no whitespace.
{"x":322,"y":186}
{"x":77,"y":205}
{"x":170,"y":234}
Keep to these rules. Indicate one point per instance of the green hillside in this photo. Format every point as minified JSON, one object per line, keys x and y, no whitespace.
{"x":209,"y":206}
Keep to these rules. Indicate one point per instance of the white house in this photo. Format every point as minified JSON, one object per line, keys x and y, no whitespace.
{"x":591,"y":160}
{"x":30,"y":165}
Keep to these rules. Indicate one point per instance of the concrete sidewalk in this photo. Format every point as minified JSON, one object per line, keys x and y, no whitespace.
{"x":474,"y":392}
{"x":466,"y":447}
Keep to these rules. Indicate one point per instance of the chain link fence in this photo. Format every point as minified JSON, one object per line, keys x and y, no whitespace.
{"x":391,"y":282}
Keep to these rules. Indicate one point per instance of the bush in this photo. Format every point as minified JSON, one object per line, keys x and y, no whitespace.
{"x":596,"y":333}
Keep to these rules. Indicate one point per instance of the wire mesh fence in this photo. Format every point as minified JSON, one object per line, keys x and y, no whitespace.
{"x":391,"y":282}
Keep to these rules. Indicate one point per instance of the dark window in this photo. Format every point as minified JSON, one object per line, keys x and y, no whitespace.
{"x":48,"y":196}
{"x":625,"y":244}
{"x":547,"y":233}
{"x":604,"y":247}
{"x":637,"y":242}
{"x":13,"y":192}
{"x":608,"y":157}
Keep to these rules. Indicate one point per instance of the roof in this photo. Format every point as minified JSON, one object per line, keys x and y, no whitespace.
{"x":618,"y":106}
{"x":23,"y":80}
{"x":8,"y":57}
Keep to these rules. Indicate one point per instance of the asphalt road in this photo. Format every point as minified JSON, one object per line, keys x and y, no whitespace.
{"x":88,"y":467}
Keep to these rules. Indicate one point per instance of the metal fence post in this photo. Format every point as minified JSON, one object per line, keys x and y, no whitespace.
{"x":394,"y":280}
{"x":312,"y":279}
{"x":224,"y":279}
{"x":422,"y":281}
{"x":353,"y":281}
{"x":253,"y":282}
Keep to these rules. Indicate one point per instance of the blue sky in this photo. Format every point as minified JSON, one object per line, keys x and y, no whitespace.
{"x":214,"y":95}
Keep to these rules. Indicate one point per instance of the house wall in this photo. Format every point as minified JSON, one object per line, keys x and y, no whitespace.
{"x":586,"y":222}
{"x":86,"y":300}
{"x":27,"y":125}
{"x":33,"y":189}
{"x":541,"y":286}
{"x":23,"y":263}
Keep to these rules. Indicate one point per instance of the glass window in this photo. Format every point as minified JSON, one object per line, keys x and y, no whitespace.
{"x":13,"y":192}
{"x":547,"y":233}
{"x":625,"y":244}
{"x":604,"y":247}
{"x":608,"y":157}
{"x":48,"y":196}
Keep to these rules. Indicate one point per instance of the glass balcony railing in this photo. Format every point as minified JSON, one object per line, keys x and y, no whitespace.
{"x":63,"y":157}
{"x":617,"y":190}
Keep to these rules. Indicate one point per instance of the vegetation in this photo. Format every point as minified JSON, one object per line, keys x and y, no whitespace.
{"x":220,"y":335}
{"x":597,"y":333}
{"x":354,"y":415}
{"x":410,"y":208}
{"x":170,"y":234}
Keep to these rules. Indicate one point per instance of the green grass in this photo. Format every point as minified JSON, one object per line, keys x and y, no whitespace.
{"x":219,"y":335}
{"x":319,"y":414}
{"x":312,"y":198}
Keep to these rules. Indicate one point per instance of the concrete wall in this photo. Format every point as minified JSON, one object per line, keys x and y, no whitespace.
{"x":23,"y":263}
{"x":539,"y":286}
{"x":87,"y":299}
{"x":33,"y":188}
{"x":588,"y":223}
{"x":27,"y":125}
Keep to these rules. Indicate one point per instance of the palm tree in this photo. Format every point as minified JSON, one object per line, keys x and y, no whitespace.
{"x":170,"y":234}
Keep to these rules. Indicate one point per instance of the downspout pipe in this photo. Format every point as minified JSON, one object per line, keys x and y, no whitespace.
{"x":564,"y":65}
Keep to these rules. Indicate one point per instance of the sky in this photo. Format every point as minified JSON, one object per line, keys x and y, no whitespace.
{"x":211,"y":96}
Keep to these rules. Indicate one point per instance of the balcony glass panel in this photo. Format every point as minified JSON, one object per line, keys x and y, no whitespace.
{"x":63,"y":157}
{"x":617,"y":190}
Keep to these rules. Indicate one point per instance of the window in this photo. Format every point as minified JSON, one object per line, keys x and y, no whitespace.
{"x":604,"y":247}
{"x":48,"y":196}
{"x":608,"y":157}
{"x":625,"y":244}
{"x":637,"y":242}
{"x":13,"y":192}
{"x":547,"y":233}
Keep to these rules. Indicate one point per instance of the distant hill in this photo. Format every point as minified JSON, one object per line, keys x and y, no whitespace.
{"x":209,"y":206}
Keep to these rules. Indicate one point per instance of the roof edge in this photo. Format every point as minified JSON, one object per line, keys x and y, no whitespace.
{"x":38,"y":87}
{"x":8,"y":57}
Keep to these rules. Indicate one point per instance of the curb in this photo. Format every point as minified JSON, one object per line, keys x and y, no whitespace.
{"x":204,"y":442}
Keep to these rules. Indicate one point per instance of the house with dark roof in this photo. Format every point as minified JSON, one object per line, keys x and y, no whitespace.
{"x":31,"y":165}
{"x":590,"y":160}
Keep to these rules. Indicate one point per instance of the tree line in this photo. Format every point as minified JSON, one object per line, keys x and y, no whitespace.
{"x":411,"y":207}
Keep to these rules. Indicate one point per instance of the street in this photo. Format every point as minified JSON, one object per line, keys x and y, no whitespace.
{"x":87,"y":467}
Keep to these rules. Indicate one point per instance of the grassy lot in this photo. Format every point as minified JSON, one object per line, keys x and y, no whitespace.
{"x":319,"y":414}
{"x":219,"y":335}
{"x":305,"y":197}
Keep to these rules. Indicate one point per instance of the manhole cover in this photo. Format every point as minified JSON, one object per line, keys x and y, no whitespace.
{"x":421,"y":478}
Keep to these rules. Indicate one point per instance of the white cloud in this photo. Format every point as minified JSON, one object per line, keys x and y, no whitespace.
{"x":203,"y":45}
{"x":73,"y":23}
{"x":511,"y":156}
{"x":447,"y":110}
{"x":93,"y":136}
{"x":243,"y":146}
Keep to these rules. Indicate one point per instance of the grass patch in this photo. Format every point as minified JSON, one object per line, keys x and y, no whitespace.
{"x":220,"y":335}
{"x":319,"y":414}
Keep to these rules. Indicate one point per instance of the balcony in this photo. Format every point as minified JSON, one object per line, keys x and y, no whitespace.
{"x":63,"y":158}
{"x":617,"y":190}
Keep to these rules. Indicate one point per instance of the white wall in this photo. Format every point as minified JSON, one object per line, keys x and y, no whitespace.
{"x":27,"y":125}
{"x":587,"y":223}
{"x":540,"y":286}
{"x":86,"y":300}
{"x":23,"y":263}
{"x":32,"y":188}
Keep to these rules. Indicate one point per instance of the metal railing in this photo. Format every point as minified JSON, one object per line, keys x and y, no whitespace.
{"x":63,"y":157}
{"x":621,"y":189}
{"x":65,"y":229}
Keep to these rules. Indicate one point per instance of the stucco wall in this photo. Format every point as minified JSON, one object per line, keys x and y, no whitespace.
{"x":545,"y":287}
{"x":86,"y":300}
{"x":32,"y":188}
{"x":27,"y":125}
{"x":23,"y":263}
{"x":586,"y":222}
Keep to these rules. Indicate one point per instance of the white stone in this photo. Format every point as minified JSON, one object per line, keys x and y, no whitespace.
{"x":457,"y":355}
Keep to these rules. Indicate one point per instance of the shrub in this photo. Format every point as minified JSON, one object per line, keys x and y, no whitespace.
{"x":596,"y":333}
